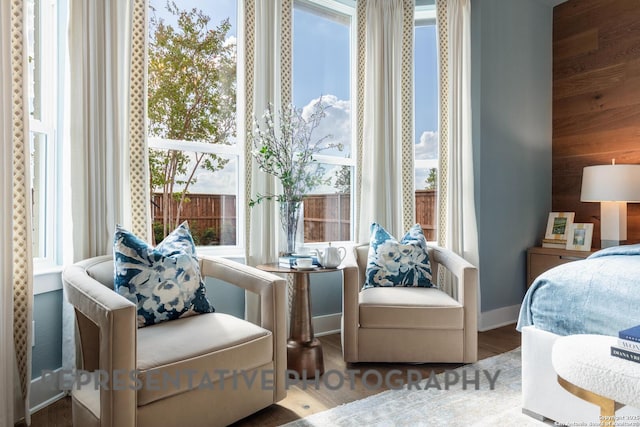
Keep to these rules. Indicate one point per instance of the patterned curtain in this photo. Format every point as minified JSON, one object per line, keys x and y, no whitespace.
{"x":16,"y":293}
{"x":457,"y":229}
{"x":110,"y":183}
{"x":385,"y":116}
{"x":267,"y":67}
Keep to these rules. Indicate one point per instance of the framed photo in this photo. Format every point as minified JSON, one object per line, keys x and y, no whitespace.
{"x":559,"y":225}
{"x":580,"y":236}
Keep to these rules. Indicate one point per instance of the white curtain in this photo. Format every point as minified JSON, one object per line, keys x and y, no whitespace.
{"x":103,"y":136}
{"x":99,"y":45}
{"x":16,"y":265}
{"x":384,"y":145}
{"x":457,"y":228}
{"x":267,"y":59}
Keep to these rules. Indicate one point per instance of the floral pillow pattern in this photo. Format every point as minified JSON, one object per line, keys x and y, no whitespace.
{"x":393,"y":263}
{"x":164,"y":282}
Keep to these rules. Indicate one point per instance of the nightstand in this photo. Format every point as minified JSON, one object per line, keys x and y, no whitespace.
{"x":541,"y":259}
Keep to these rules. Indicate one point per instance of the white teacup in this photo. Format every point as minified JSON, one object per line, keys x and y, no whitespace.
{"x":304,"y":262}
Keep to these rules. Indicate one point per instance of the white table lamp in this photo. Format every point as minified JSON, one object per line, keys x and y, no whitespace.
{"x":613,"y":186}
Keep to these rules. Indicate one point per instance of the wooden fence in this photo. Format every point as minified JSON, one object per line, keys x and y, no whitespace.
{"x":212,"y":217}
{"x":426,"y":212}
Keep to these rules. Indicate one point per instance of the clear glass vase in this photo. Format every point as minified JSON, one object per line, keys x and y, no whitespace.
{"x":292,"y":221}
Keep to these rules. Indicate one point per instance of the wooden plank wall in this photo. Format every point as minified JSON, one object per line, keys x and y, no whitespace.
{"x":596,"y":99}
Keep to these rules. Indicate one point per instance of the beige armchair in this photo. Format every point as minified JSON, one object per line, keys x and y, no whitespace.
{"x":205,"y":370}
{"x":406,"y":324}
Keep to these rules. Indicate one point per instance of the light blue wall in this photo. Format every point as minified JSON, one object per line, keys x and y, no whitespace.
{"x":326,"y":295}
{"x":47,"y":314}
{"x":511,"y":102}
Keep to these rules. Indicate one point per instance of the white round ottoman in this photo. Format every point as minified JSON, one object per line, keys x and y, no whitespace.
{"x":586,"y":369}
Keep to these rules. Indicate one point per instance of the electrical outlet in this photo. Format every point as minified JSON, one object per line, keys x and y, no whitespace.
{"x":33,"y":333}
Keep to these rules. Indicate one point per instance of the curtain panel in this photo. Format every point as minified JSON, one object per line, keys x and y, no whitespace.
{"x":107,"y":134}
{"x":457,"y":229}
{"x":267,"y":80}
{"x":385,"y":116}
{"x":106,"y":130}
{"x":16,"y":285}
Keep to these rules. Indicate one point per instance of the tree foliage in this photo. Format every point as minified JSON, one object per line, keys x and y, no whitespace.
{"x":343,"y":180}
{"x":431,"y":182}
{"x":192,"y":97}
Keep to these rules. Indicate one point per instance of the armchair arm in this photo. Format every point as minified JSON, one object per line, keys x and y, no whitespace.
{"x":273,"y":304}
{"x":115,"y":318}
{"x":350,"y":306}
{"x":467,"y":286}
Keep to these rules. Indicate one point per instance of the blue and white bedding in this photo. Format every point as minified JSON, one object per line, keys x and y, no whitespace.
{"x":598,"y":295}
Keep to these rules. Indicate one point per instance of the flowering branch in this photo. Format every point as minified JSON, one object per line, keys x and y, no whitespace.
{"x":288,"y":152}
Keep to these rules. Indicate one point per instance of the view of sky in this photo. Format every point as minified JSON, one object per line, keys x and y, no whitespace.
{"x":321,"y":66}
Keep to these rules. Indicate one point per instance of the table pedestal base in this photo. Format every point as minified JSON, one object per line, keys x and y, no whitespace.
{"x":305,"y":358}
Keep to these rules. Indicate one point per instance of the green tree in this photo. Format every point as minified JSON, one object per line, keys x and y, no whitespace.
{"x":191,"y":96}
{"x":343,"y":180}
{"x":431,"y":182}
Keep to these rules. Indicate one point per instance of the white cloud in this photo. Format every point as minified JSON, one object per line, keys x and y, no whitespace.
{"x":336,"y":123}
{"x":427,"y":148}
{"x":230,"y":41}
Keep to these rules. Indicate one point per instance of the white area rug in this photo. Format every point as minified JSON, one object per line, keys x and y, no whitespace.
{"x":433,"y":407}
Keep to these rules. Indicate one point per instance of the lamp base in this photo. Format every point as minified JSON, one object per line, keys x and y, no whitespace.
{"x":609,"y":243}
{"x":613,"y":223}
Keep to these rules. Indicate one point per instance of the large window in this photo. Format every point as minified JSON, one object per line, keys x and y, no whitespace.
{"x":426,"y":120}
{"x":323,"y":48}
{"x":195,"y":160}
{"x":42,"y":68}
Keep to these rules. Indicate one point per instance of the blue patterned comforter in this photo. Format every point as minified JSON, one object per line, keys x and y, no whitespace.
{"x":598,"y":295}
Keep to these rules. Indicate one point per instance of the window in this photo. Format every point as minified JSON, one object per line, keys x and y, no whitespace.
{"x":196,"y":164}
{"x":323,"y":46}
{"x":42,"y":94}
{"x":426,"y":120}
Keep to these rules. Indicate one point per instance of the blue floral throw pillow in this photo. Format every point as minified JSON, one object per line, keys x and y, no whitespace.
{"x":393,"y":263}
{"x":164,"y":282}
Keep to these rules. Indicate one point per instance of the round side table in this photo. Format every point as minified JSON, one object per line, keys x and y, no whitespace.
{"x":304,"y":351}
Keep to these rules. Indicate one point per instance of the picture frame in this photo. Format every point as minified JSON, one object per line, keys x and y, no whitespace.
{"x":580,"y":236}
{"x":559,"y":225}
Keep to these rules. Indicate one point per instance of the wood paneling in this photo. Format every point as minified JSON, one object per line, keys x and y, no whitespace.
{"x":596,"y":99}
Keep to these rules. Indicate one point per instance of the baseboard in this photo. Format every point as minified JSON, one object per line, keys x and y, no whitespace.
{"x":327,"y":324}
{"x":502,"y":316}
{"x":42,"y":394}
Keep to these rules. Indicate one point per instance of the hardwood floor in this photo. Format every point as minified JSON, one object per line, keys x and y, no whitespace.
{"x":300,"y":403}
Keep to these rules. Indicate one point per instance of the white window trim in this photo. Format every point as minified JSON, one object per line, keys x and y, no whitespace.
{"x":348,"y":9}
{"x":46,"y":125}
{"x":424,"y":15}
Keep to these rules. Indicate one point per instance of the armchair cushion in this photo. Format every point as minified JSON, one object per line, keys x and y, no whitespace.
{"x":164,"y":282}
{"x":198,"y":351}
{"x":409,"y":308}
{"x":393,"y":263}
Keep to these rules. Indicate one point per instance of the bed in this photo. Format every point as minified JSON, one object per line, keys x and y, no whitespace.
{"x":598,"y":295}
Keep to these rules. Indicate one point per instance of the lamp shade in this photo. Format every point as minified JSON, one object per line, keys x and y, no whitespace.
{"x":611,"y":183}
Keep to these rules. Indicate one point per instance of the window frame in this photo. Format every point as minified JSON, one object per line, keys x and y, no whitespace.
{"x":237,"y":149}
{"x":425,"y":15}
{"x":46,"y":60}
{"x":348,"y":9}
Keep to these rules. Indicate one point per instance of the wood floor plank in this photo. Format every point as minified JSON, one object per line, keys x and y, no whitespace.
{"x":301,"y":402}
